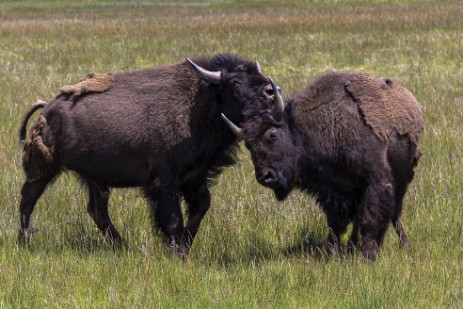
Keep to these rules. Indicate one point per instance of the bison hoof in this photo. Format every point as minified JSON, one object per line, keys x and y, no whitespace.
{"x":117,"y":243}
{"x":113,"y":237}
{"x":333,"y":250}
{"x":370,"y":252}
{"x":407,"y":245}
{"x":25,"y":235}
{"x":178,"y":250}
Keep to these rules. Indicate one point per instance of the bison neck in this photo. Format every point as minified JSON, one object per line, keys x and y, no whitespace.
{"x":210,"y":146}
{"x":203,"y":156}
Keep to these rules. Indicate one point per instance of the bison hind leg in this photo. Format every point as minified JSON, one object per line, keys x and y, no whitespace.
{"x":30,"y":193}
{"x":377,"y":208}
{"x":400,"y":230}
{"x":396,"y":220}
{"x":98,"y":210}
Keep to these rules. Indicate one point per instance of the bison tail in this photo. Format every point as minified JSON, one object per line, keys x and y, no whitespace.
{"x":22,"y":132}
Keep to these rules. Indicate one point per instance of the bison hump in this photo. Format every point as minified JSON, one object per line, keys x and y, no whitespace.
{"x":385,"y":106}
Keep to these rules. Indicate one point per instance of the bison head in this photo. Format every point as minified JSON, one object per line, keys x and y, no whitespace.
{"x":238,"y":83}
{"x":268,"y":134}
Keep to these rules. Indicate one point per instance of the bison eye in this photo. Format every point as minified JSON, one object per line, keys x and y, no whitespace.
{"x":235,"y":81}
{"x":271,"y":136}
{"x":269,"y":91}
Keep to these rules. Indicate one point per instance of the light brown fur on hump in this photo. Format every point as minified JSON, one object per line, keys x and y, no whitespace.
{"x":93,"y":82}
{"x":407,"y":113}
{"x":386,"y":106}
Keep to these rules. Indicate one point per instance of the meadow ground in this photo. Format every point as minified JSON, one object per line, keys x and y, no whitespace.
{"x":251,"y":251}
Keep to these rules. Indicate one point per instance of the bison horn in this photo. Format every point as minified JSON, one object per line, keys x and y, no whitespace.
{"x":235,"y":129}
{"x":213,"y":77}
{"x":279,"y":104}
{"x":259,"y":69}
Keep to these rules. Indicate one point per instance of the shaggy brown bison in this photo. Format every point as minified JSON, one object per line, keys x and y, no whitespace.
{"x":158,"y":128}
{"x":349,"y":139}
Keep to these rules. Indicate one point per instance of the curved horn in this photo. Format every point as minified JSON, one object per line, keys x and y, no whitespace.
{"x":259,"y":69}
{"x":211,"y":76}
{"x":279,"y":104}
{"x":235,"y":129}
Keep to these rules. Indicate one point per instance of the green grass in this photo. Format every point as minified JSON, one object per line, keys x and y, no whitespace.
{"x":251,"y":251}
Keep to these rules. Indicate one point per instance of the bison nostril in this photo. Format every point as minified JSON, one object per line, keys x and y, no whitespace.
{"x":267,"y":177}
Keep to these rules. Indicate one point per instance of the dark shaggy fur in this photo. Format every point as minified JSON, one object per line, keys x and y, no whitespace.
{"x":158,"y":128}
{"x":349,"y":139}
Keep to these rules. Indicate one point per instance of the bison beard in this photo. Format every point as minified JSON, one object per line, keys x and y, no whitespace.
{"x":281,"y":193}
{"x":158,"y":128}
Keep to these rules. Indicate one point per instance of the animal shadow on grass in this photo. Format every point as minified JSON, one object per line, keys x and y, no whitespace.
{"x":87,"y":240}
{"x":259,"y":250}
{"x":77,"y":237}
{"x":310,"y":244}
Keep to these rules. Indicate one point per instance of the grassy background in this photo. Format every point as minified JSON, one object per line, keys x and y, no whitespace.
{"x":251,"y":251}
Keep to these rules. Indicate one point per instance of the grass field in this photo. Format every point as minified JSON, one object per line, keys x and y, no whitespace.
{"x":251,"y":251}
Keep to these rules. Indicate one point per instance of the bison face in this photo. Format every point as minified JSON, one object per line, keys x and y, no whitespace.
{"x":273,"y":152}
{"x":238,"y":82}
{"x":268,"y":135}
{"x":245,"y":88}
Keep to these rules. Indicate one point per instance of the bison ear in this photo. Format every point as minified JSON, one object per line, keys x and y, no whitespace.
{"x":213,"y":77}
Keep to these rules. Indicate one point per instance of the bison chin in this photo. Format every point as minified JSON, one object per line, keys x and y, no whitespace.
{"x":281,"y":193}
{"x":276,"y":181}
{"x":281,"y":188}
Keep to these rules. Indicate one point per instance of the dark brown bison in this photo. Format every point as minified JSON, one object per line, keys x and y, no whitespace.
{"x":158,"y":128}
{"x":349,"y":139}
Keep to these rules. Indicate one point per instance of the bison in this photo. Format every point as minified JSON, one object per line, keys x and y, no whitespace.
{"x":158,"y":128}
{"x":351,"y":140}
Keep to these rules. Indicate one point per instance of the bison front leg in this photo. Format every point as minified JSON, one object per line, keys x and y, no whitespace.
{"x":98,"y":210}
{"x":337,"y":224}
{"x":353,"y":242}
{"x":198,"y":199}
{"x":167,"y":216}
{"x":338,"y":215}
